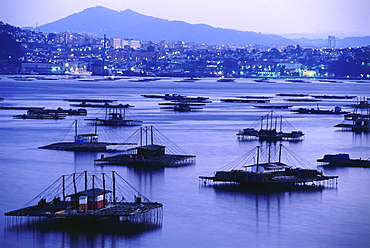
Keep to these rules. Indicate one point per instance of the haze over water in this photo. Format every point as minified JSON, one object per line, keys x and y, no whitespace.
{"x":195,"y":215}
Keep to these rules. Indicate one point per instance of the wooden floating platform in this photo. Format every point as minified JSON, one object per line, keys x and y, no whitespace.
{"x":42,"y":111}
{"x":270,"y":130}
{"x":333,"y":97}
{"x":105,"y":105}
{"x":271,"y":174}
{"x":84,"y":142}
{"x":363,"y":104}
{"x":357,"y":126}
{"x":291,"y":94}
{"x":85,"y":147}
{"x":89,"y":202}
{"x":343,"y":160}
{"x":116,"y":116}
{"x":274,"y":106}
{"x":177,"y":97}
{"x":255,"y":97}
{"x":302,"y":100}
{"x":267,"y":181}
{"x":57,"y":210}
{"x":165,"y":160}
{"x":115,"y":122}
{"x":317,"y":111}
{"x":148,"y":154}
{"x":21,"y":108}
{"x":244,"y":100}
{"x":89,"y":100}
{"x":32,"y":115}
{"x":182,"y":106}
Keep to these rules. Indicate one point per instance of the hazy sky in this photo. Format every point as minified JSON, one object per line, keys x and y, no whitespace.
{"x":324,"y":17}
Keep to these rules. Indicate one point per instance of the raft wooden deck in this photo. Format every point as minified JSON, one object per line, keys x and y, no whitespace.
{"x":87,"y":202}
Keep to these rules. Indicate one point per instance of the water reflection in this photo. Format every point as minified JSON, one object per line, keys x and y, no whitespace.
{"x":269,"y":207}
{"x":32,"y":237}
{"x":361,"y":139}
{"x":83,"y":157}
{"x":240,"y":189}
{"x":146,"y":178}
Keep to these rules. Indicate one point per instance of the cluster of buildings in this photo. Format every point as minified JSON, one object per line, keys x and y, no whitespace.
{"x":57,"y":53}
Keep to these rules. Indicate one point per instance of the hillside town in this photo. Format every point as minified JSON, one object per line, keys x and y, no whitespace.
{"x":26,"y":51}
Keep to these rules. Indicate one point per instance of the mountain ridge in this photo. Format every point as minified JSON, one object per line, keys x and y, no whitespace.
{"x":130,"y":24}
{"x":124,"y":24}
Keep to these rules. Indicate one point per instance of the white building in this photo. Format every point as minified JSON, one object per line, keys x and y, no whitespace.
{"x":332,"y":42}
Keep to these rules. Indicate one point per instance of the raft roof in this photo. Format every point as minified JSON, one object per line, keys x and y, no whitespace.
{"x":271,"y":165}
{"x":91,"y":192}
{"x":148,"y":147}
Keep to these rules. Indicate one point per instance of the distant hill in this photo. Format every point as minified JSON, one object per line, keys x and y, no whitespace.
{"x":130,"y":24}
{"x":10,"y":49}
{"x":345,"y":42}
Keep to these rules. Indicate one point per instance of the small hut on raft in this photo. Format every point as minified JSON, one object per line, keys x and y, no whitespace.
{"x":89,"y":202}
{"x":84,"y":142}
{"x":150,"y":153}
{"x":270,"y":130}
{"x":264,"y":169}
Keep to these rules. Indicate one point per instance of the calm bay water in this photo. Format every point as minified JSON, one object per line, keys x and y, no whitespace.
{"x":194,"y":215}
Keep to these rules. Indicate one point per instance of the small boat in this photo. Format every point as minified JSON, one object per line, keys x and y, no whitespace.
{"x":297,"y":81}
{"x":263,"y":80}
{"x":78,"y":72}
{"x":361,"y":81}
{"x":329,"y":81}
{"x":23,"y":79}
{"x":144,"y":80}
{"x":226,"y":80}
{"x":343,"y":159}
{"x":270,"y":172}
{"x":188,"y":80}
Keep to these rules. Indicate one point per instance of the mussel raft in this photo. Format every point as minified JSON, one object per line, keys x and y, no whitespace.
{"x":148,"y":153}
{"x":269,"y":174}
{"x":102,"y":206}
